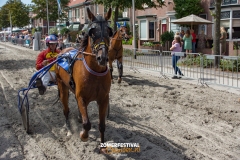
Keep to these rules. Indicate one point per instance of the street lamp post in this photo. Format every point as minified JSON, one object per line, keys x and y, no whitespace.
{"x":47,"y":18}
{"x":133,"y":23}
{"x":10,"y":22}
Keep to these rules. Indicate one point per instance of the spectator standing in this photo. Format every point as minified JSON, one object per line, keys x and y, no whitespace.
{"x":193,"y":41}
{"x":187,"y":38}
{"x":176,"y":47}
{"x":78,"y":39}
{"x":182,"y":35}
{"x":176,"y":34}
{"x":223,"y":40}
{"x":202,"y":38}
{"x":60,"y":43}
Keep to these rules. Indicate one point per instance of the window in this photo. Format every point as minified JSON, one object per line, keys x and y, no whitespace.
{"x":225,"y":14}
{"x":97,"y":8}
{"x":76,"y":13}
{"x":227,"y":2}
{"x":151,"y":29}
{"x":70,"y":14}
{"x":82,"y":13}
{"x":174,"y":27}
{"x":147,"y":29}
{"x":143,"y":28}
{"x":202,"y":27}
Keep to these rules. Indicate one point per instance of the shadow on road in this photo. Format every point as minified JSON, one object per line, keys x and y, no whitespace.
{"x":16,"y":64}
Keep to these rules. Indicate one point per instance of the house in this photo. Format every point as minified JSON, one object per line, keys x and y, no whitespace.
{"x":77,"y":12}
{"x":151,"y":23}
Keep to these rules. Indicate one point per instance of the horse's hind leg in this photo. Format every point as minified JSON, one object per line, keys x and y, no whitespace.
{"x":85,"y":120}
{"x":111,"y":68}
{"x":103,"y":105}
{"x":64,"y":95}
{"x":120,"y":69}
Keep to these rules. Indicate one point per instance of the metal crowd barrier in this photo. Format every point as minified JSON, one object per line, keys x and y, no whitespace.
{"x":207,"y":69}
{"x":192,"y":65}
{"x":221,"y":70}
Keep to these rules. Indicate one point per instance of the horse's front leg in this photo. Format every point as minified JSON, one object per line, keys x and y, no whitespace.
{"x":120,"y":69}
{"x":111,"y":68}
{"x":64,"y":95}
{"x":85,"y":120}
{"x":103,"y":106}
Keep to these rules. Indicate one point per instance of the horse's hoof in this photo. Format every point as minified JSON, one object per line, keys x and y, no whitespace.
{"x":69,"y":133}
{"x":119,"y":80}
{"x":103,"y":151}
{"x":84,"y":139}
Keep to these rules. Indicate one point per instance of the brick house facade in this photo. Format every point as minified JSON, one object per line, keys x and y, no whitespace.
{"x":151,"y":23}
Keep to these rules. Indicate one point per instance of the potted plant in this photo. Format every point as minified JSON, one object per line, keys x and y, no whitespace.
{"x":147,"y":45}
{"x":236,"y":47}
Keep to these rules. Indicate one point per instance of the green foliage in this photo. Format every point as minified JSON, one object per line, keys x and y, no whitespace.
{"x":53,"y":31}
{"x":230,"y":65}
{"x":129,"y":42}
{"x":128,"y":4}
{"x":184,"y":8}
{"x":191,"y":60}
{"x":167,"y":36}
{"x":64,"y":31}
{"x":40,"y":9}
{"x":149,"y":44}
{"x":236,"y":46}
{"x":16,"y":12}
{"x":127,"y":52}
{"x":33,"y":31}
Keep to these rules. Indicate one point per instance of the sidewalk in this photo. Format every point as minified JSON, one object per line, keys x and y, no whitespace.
{"x":190,"y":81}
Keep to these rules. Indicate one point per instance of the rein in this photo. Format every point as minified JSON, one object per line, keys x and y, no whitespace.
{"x":92,"y":71}
{"x":87,"y":67}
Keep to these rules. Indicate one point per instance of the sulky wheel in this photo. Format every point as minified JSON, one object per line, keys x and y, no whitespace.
{"x":24,"y":112}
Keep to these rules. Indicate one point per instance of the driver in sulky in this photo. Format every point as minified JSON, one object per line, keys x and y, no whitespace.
{"x":44,"y":58}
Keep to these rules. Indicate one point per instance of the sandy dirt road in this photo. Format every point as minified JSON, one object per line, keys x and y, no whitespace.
{"x":170,"y":119}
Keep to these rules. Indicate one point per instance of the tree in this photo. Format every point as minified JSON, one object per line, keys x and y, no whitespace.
{"x":40,"y":9}
{"x":216,"y":38}
{"x":184,"y":8}
{"x":16,"y":12}
{"x":121,"y":4}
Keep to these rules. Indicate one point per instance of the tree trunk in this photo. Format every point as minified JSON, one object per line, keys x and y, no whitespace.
{"x":115,"y":19}
{"x":216,"y":38}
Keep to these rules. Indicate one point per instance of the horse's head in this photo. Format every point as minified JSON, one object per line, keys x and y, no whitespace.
{"x":99,"y":33}
{"x":123,"y":33}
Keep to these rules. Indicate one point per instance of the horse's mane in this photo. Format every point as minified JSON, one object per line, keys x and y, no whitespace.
{"x":114,"y":33}
{"x":84,"y":41}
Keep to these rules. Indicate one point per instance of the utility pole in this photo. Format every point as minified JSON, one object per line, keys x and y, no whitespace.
{"x":10,"y":22}
{"x":47,"y":18}
{"x":134,"y":33}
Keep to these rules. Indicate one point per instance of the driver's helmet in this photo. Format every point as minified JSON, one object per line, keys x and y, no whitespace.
{"x":51,"y":39}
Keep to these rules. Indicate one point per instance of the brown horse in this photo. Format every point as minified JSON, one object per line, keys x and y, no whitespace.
{"x":116,"y":51}
{"x":90,"y":75}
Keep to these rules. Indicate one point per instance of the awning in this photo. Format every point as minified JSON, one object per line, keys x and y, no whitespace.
{"x":19,"y":30}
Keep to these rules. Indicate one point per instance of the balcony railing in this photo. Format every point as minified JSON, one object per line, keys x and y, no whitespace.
{"x":225,"y":2}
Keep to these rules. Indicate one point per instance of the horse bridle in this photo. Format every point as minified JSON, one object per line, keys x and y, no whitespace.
{"x":101,"y":45}
{"x":120,"y":38}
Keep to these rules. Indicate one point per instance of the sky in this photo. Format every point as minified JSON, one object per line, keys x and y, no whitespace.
{"x":2,"y":2}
